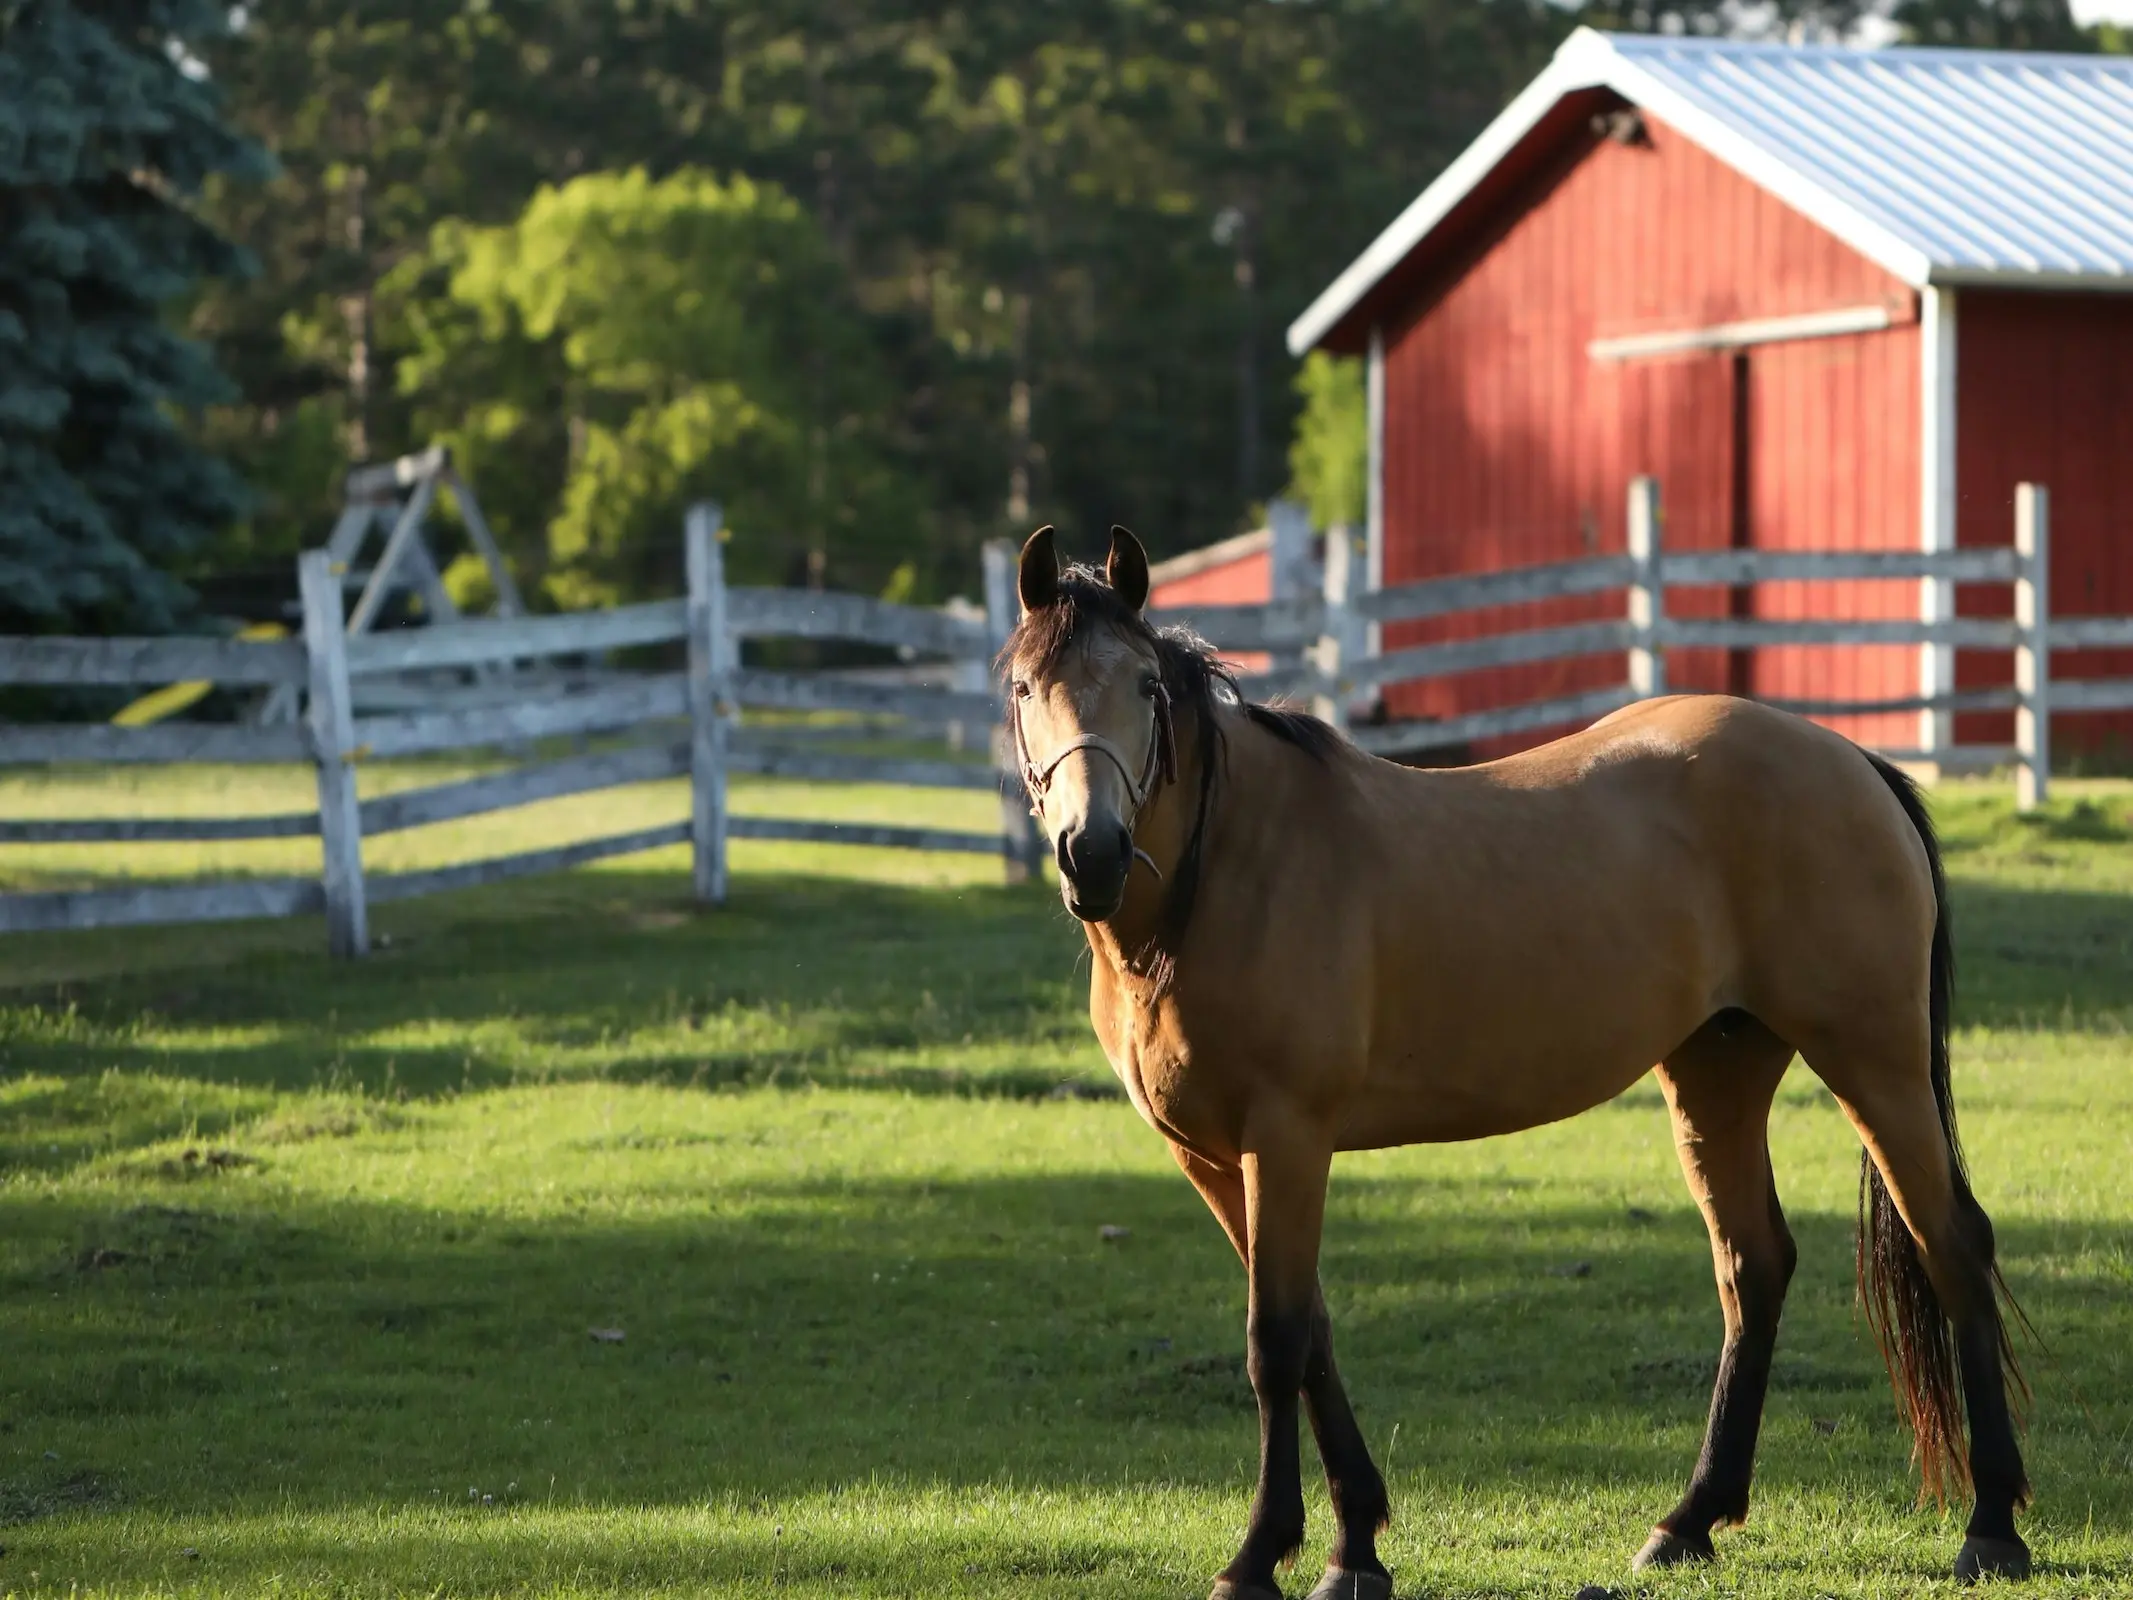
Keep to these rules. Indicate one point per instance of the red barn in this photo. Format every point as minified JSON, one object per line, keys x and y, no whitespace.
{"x":1275,"y":562}
{"x":1829,"y":298}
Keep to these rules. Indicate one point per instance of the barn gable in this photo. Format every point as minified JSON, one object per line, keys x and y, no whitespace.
{"x":1942,"y":166}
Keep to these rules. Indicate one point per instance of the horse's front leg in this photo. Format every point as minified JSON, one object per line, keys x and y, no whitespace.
{"x":1353,"y":1571}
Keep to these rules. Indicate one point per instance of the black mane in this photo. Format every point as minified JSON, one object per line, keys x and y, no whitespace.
{"x":1198,"y":683}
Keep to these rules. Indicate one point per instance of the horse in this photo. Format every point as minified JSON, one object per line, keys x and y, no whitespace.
{"x":1299,"y":949}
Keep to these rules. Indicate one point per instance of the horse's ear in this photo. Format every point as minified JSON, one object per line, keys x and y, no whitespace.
{"x":1126,"y":567}
{"x":1037,"y":573}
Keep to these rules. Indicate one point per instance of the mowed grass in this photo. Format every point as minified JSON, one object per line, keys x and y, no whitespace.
{"x":300,"y":1264}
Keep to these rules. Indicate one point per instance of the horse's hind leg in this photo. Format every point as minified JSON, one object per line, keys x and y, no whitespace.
{"x":1927,"y":1276}
{"x":1719,"y":1086}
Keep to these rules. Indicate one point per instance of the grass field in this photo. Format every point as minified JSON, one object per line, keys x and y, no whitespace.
{"x":300,"y":1264}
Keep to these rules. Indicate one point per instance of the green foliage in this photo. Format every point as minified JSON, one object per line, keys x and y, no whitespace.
{"x":1329,"y":461}
{"x":699,"y":342}
{"x":105,"y":142}
{"x":1993,"y":25}
{"x":1072,"y":236}
{"x":386,"y":119}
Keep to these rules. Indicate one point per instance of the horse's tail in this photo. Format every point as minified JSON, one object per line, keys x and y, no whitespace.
{"x":1901,"y":1307}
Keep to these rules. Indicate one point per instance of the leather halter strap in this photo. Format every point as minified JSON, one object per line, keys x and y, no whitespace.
{"x":1039,"y":779}
{"x":1160,"y":767}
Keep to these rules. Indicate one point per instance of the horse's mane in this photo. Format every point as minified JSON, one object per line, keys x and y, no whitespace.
{"x":1199,"y":685}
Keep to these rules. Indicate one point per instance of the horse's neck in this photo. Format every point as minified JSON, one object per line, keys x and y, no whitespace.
{"x":1136,"y":944}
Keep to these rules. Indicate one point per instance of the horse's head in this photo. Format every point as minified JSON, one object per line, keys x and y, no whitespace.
{"x":1089,"y":713}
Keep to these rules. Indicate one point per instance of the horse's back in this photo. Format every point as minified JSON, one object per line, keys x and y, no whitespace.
{"x":1550,"y":925}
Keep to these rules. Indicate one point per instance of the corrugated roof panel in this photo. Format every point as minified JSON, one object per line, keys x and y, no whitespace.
{"x":1985,"y":161}
{"x":1942,"y":165}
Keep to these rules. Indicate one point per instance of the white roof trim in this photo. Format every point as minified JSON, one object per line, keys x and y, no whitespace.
{"x":1751,"y":161}
{"x":1590,"y":60}
{"x":1454,"y":184}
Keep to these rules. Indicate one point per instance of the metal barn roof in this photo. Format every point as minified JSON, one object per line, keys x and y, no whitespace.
{"x":1944,"y":166}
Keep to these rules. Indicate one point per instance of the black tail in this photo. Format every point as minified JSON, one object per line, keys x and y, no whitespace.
{"x":1901,"y":1307}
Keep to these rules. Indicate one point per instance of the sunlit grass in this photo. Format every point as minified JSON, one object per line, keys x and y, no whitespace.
{"x":300,"y":1263}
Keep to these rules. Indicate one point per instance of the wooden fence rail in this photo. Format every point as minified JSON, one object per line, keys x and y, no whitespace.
{"x":542,"y":677}
{"x":679,"y":723}
{"x":1336,"y":669}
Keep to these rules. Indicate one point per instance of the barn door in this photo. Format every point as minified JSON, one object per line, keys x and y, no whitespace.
{"x":1677,"y":420}
{"x":1828,"y":461}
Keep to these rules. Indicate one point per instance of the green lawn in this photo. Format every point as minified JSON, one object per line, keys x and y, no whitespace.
{"x":300,"y":1263}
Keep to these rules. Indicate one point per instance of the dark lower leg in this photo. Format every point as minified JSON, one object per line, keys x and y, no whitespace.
{"x":1352,"y":1479}
{"x":1717,"y":1495}
{"x":1279,"y":1348}
{"x":1719,"y":1089}
{"x":1996,"y":1471}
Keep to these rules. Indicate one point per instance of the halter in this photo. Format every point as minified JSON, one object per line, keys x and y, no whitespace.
{"x":1160,"y":768}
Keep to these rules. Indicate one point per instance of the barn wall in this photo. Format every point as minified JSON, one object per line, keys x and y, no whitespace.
{"x":1505,"y":444}
{"x":2044,"y":393}
{"x":1246,"y":581}
{"x":1249,"y":580}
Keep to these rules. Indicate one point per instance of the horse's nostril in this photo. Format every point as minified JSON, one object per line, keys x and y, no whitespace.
{"x":1086,"y":852}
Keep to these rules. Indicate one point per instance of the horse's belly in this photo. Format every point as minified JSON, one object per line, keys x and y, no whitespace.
{"x":1445,"y":1096}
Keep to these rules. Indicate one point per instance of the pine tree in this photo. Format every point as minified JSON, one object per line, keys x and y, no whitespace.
{"x":107,"y":132}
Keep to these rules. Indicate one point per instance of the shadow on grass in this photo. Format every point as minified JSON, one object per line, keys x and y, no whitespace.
{"x":2055,"y":958}
{"x":202,"y":1352}
{"x":797,"y":980}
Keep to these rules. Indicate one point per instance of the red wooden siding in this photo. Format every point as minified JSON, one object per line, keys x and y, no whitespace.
{"x":2044,"y":394}
{"x":1246,"y":581}
{"x":1506,"y":444}
{"x":1249,"y":580}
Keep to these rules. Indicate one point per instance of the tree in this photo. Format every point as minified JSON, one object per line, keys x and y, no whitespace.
{"x":1329,"y":461}
{"x":107,"y":134}
{"x":1993,"y":25}
{"x":386,"y":118}
{"x":678,"y":339}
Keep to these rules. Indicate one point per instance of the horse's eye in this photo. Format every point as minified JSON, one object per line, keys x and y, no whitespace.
{"x":1021,"y":689}
{"x":1149,"y":685}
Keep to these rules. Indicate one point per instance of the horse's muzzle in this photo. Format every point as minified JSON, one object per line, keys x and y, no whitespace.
{"x":1093,"y":863}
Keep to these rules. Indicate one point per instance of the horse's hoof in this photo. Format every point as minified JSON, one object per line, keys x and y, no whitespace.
{"x":1991,"y":1558}
{"x":1234,"y":1589}
{"x":1340,"y":1583}
{"x":1666,"y":1549}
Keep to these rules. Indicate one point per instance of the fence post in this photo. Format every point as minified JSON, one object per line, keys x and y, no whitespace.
{"x":1647,"y":591}
{"x":330,"y":717}
{"x":1290,"y":574}
{"x":1024,"y":849}
{"x":2033,"y":650}
{"x":710,"y":658}
{"x":1340,"y":636}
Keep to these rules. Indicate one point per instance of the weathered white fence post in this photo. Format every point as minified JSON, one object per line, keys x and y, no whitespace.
{"x":331,"y":719}
{"x":1340,"y":639}
{"x":1647,"y":591}
{"x":1290,"y":574}
{"x":710,"y":658}
{"x":2033,"y":651}
{"x":1025,"y":847}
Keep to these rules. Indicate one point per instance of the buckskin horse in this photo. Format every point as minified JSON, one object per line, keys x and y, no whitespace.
{"x":1300,"y":949}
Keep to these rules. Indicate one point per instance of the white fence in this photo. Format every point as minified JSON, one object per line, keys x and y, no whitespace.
{"x":671,"y":724}
{"x":1320,"y":644}
{"x":374,"y":696}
